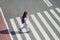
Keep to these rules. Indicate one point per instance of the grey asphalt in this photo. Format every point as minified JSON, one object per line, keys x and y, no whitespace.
{"x":15,"y":8}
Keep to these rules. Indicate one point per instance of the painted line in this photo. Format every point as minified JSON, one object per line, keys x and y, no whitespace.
{"x":40,"y":27}
{"x":15,"y":29}
{"x":32,"y":29}
{"x":55,"y":14}
{"x":52,"y":21}
{"x":49,"y":4}
{"x":58,"y":10}
{"x":26,"y":34}
{"x":6,"y":24}
{"x":48,"y":26}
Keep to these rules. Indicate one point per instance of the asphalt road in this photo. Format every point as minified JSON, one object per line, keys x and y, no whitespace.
{"x":48,"y":29}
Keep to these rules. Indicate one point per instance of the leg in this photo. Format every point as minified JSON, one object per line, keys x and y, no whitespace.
{"x":27,"y":28}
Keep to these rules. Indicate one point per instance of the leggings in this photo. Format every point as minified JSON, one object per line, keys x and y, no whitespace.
{"x":25,"y":26}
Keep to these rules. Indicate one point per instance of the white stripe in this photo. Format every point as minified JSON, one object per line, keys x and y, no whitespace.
{"x":6,"y":24}
{"x":15,"y":29}
{"x":26,"y":34}
{"x":47,"y":3}
{"x":40,"y":27}
{"x":58,"y":10}
{"x":48,"y":26}
{"x":52,"y":21}
{"x":55,"y":14}
{"x":32,"y":29}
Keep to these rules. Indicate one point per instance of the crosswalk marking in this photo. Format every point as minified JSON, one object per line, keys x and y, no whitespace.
{"x":15,"y":29}
{"x":26,"y":34}
{"x":36,"y":35}
{"x":40,"y":27}
{"x":55,"y":14}
{"x":49,"y":4}
{"x":52,"y":21}
{"x":46,"y":3}
{"x":48,"y":26}
{"x":32,"y":29}
{"x":58,"y":10}
{"x":6,"y":23}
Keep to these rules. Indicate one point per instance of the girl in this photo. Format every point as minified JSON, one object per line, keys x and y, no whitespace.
{"x":24,"y":20}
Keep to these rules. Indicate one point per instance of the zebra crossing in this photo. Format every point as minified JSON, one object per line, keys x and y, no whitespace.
{"x":15,"y":29}
{"x":57,"y":9}
{"x":32,"y":28}
{"x":52,"y":21}
{"x":48,"y":3}
{"x":48,"y":27}
{"x":54,"y":13}
{"x":39,"y":26}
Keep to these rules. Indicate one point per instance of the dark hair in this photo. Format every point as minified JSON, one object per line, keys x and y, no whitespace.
{"x":25,"y":13}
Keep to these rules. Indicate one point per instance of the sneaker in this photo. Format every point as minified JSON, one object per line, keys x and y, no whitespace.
{"x":27,"y":31}
{"x":20,"y":30}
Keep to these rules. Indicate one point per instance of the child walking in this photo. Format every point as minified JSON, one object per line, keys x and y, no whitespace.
{"x":24,"y":20}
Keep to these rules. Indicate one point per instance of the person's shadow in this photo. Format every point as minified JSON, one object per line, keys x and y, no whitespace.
{"x":12,"y":32}
{"x":16,"y":32}
{"x":4,"y":32}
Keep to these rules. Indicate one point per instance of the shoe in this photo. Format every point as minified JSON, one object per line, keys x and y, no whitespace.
{"x":20,"y":30}
{"x":27,"y":31}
